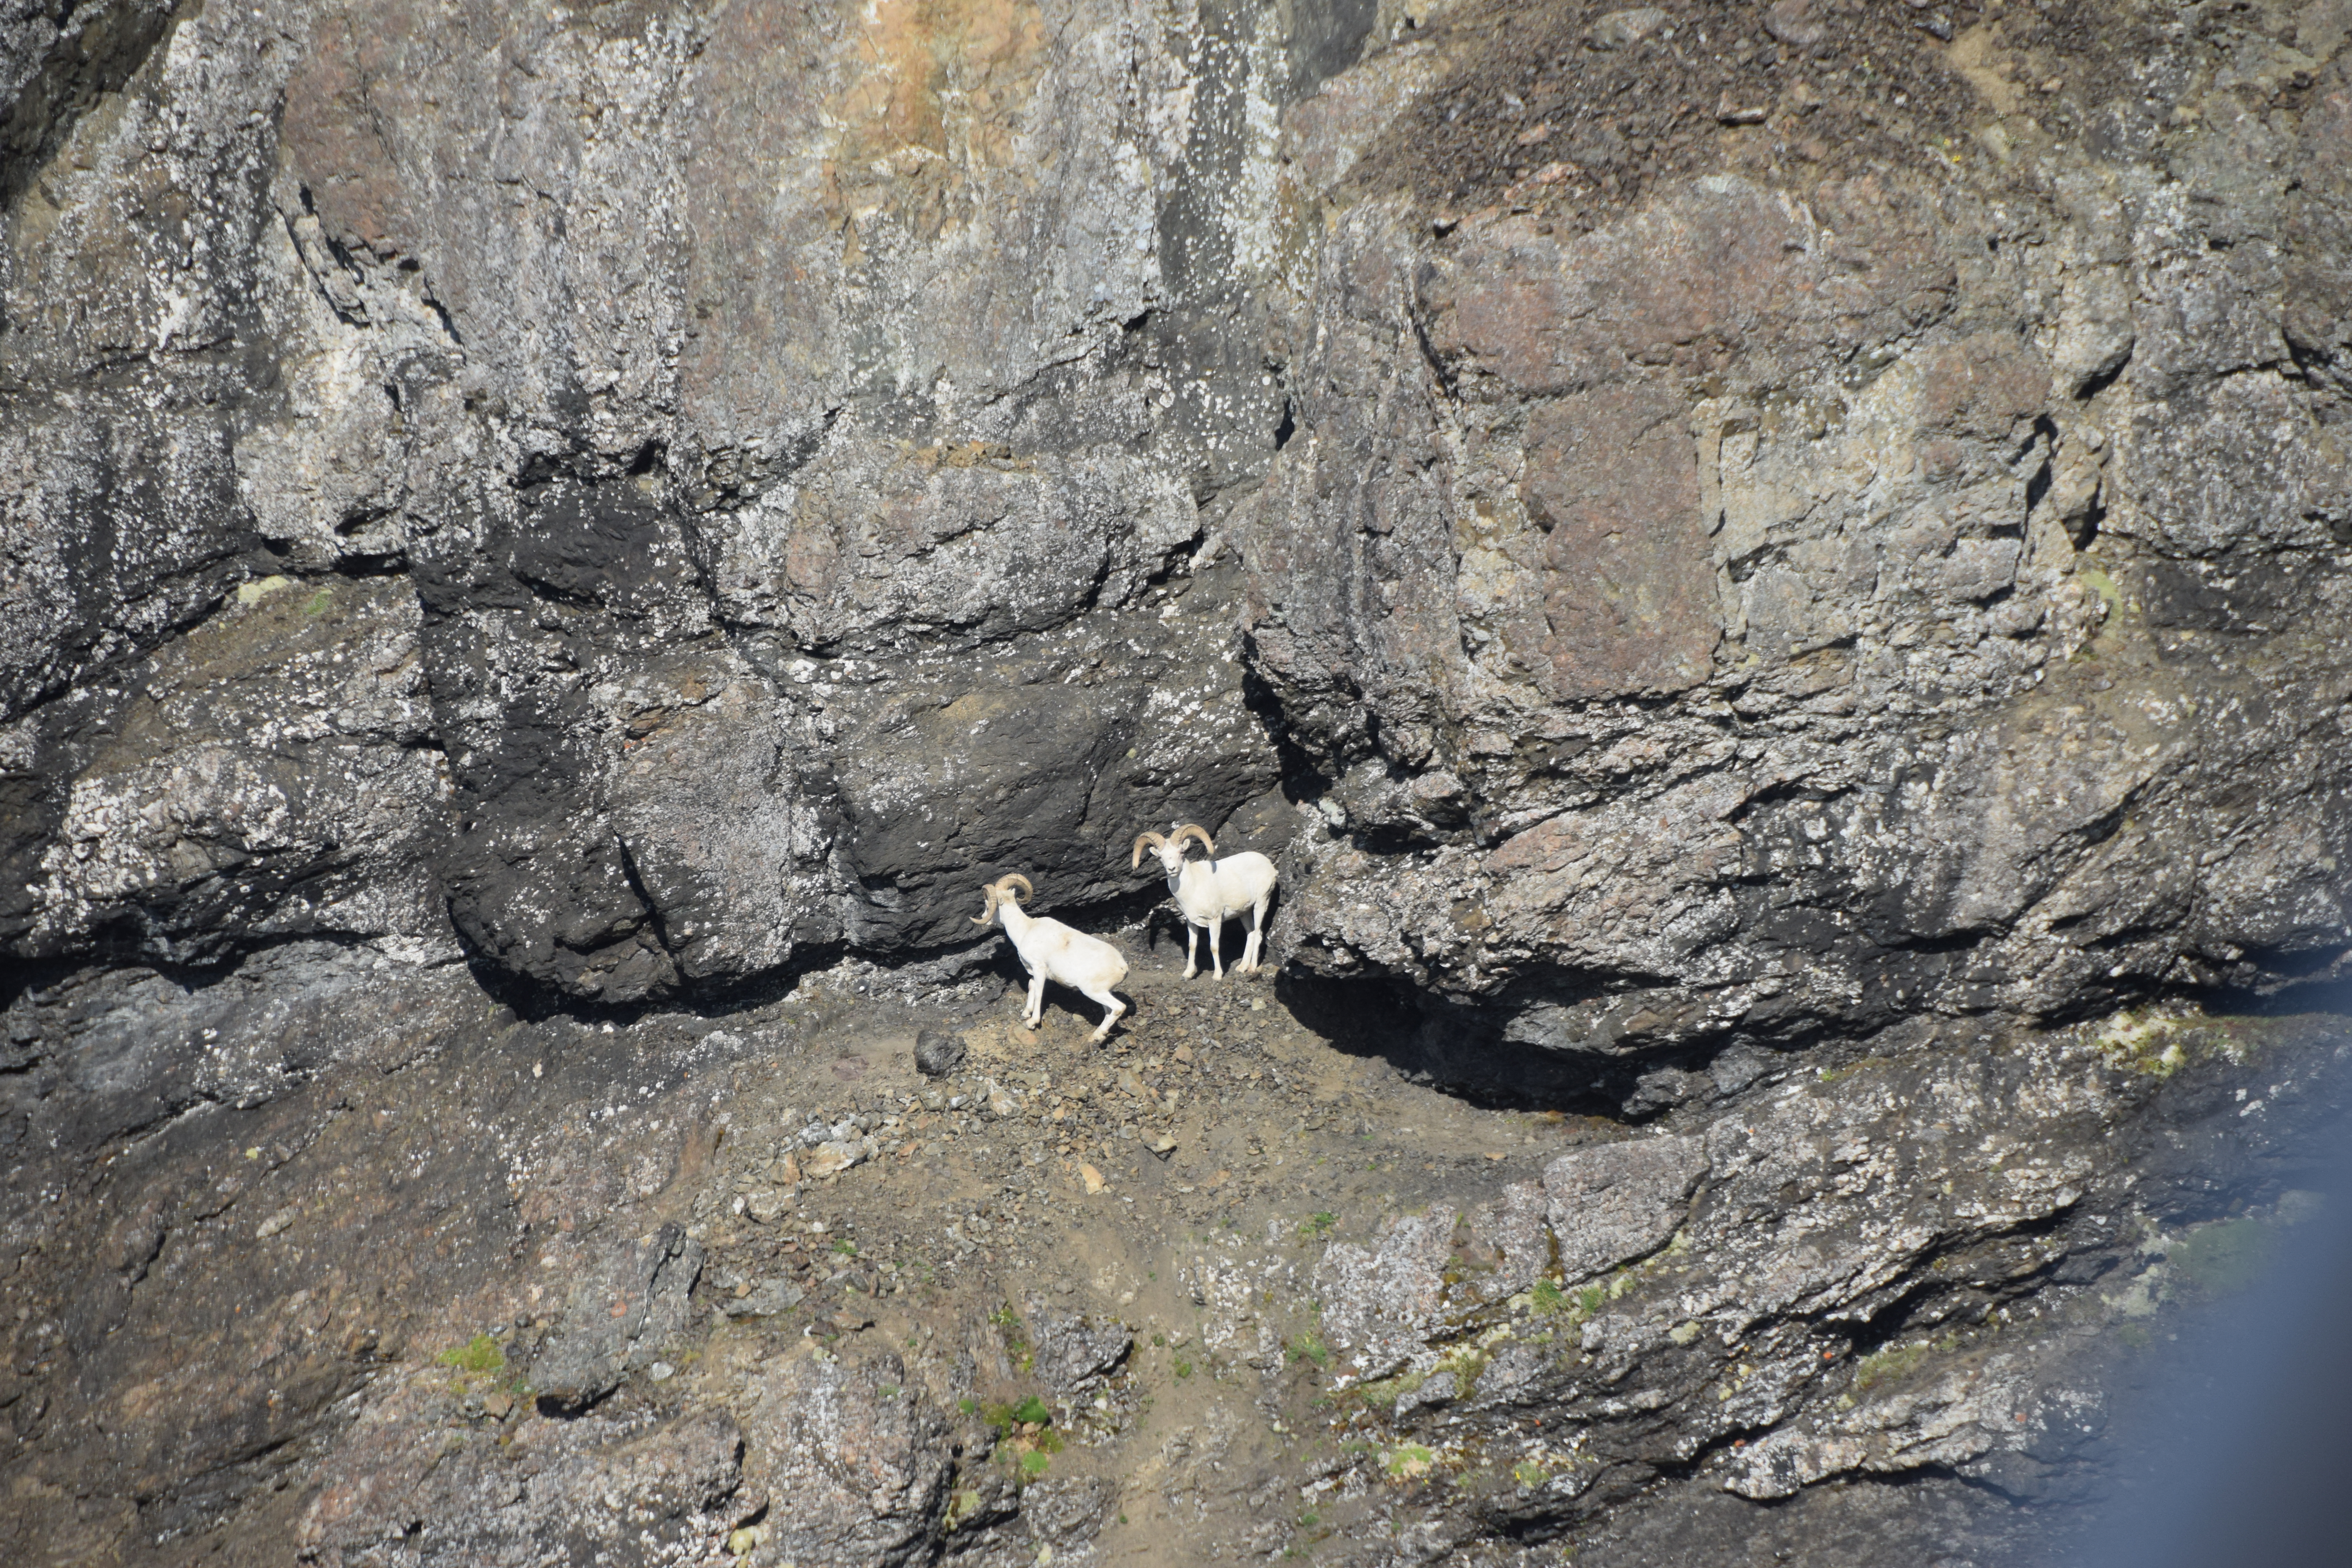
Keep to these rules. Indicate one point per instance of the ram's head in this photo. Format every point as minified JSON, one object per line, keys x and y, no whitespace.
{"x":1001,"y":891}
{"x":1169,"y":846}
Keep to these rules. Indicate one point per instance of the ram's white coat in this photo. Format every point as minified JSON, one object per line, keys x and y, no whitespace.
{"x":1052,"y":950}
{"x":1209,"y":891}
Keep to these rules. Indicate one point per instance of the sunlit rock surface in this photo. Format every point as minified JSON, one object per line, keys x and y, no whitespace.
{"x":1699,"y":536}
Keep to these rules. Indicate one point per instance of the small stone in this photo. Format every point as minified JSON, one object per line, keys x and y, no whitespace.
{"x":1794,"y":23}
{"x":767,"y":1205}
{"x":1163,"y":1144}
{"x":768,"y":1299}
{"x":832,"y":1158}
{"x":1631,"y":26}
{"x":660,"y":1371}
{"x":275,"y":1223}
{"x":1092,"y":1178}
{"x":937,"y":1055}
{"x":497,"y":1403}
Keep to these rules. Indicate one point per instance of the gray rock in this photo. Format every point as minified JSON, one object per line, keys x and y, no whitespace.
{"x":619,"y":1312}
{"x":1631,"y":26}
{"x":1074,"y":1352}
{"x":767,"y":1299}
{"x":1618,"y":1202}
{"x":938,"y":1054}
{"x":856,"y":1464}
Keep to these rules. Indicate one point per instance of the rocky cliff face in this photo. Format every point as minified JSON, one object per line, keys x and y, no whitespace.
{"x":1691,"y":531}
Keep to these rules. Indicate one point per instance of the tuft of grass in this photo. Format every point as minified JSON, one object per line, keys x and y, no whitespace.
{"x":1548,"y":1297}
{"x":1183,"y":1368}
{"x":1900,"y":1360}
{"x":1318,"y":1225}
{"x":481,"y":1354}
{"x":1408,"y":1461}
{"x":1309,"y":1346}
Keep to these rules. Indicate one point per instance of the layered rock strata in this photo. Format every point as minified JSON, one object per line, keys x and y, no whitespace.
{"x":1692,"y":532}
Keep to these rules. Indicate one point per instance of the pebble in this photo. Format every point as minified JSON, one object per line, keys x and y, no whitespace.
{"x":832,"y":1158}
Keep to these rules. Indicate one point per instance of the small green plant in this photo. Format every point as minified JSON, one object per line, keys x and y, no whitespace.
{"x":1309,"y":1346}
{"x":1033,"y":1463}
{"x":1548,"y":1297}
{"x":1183,"y":1368}
{"x":1590,"y":1298}
{"x":1408,"y":1461}
{"x":1529,"y":1474}
{"x":481,"y":1354}
{"x":1016,"y":1339}
{"x":845,"y":1247}
{"x":1318,"y":1225}
{"x":1900,"y":1360}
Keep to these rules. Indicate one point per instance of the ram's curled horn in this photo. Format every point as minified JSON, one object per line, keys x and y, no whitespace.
{"x":1195,"y":830}
{"x":1004,"y":883}
{"x":988,"y":905}
{"x":1145,"y":841}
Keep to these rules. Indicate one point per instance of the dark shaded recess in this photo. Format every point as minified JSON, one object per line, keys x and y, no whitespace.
{"x":1303,"y":778}
{"x":1326,"y":36}
{"x":32,"y":805}
{"x":1453,"y":1046}
{"x":2242,"y":594}
{"x":601,"y":544}
{"x":2038,"y":484}
{"x":100,"y":47}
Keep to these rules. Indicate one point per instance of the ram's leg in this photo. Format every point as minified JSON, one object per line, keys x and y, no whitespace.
{"x":1192,"y":940}
{"x":1257,"y":937}
{"x":1036,"y":1013}
{"x":1216,"y":940}
{"x":1112,"y":1008}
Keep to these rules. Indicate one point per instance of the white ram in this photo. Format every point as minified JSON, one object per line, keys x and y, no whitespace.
{"x":1052,"y":950}
{"x":1209,"y":891}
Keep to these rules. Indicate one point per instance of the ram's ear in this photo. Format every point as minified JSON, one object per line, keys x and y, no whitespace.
{"x":1195,"y":830}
